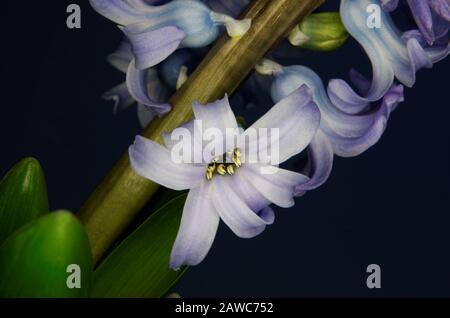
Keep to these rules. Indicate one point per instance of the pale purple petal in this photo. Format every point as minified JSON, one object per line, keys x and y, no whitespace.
{"x":247,"y":192}
{"x":375,"y":125}
{"x":320,"y":163}
{"x":153,"y":161}
{"x":252,"y":197}
{"x":351,"y":147}
{"x":417,"y":55}
{"x":423,"y":17}
{"x":414,"y":34}
{"x":268,"y":215}
{"x":119,"y":11}
{"x":441,"y":27}
{"x":217,"y":126}
{"x":441,"y":7}
{"x":197,"y":230}
{"x":437,"y":52}
{"x":215,"y":115}
{"x":349,"y":102}
{"x":344,"y":97}
{"x":157,"y":92}
{"x":233,"y":210}
{"x":277,"y":186}
{"x":361,"y":83}
{"x":295,"y":117}
{"x":333,"y":116}
{"x":374,"y":42}
{"x":432,"y":17}
{"x":348,"y":119}
{"x":152,"y":46}
{"x":138,"y":86}
{"x":388,"y":52}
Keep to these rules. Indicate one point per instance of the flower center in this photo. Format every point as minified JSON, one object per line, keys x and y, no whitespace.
{"x":224,"y":168}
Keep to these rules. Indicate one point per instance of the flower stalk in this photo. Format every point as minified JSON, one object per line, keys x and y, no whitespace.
{"x":122,"y":194}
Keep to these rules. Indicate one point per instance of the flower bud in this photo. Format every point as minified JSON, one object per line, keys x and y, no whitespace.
{"x":322,"y":31}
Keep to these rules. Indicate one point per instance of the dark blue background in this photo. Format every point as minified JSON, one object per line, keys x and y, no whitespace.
{"x":389,"y":206}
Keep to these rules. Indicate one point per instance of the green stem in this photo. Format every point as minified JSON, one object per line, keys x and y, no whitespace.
{"x":122,"y":194}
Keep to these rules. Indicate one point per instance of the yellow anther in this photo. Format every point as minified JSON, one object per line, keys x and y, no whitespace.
{"x":221,"y":169}
{"x":224,"y":168}
{"x":236,"y":160}
{"x":210,"y":170}
{"x":230,"y":170}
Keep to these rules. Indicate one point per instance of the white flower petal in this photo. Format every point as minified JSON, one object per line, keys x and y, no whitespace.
{"x":215,"y":115}
{"x":233,"y":210}
{"x":197,"y":229}
{"x":153,"y":161}
{"x":277,"y":186}
{"x":296,"y":118}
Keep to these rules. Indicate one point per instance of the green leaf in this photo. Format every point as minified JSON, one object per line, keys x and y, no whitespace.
{"x":139,"y":266}
{"x":34,"y":260}
{"x":23,"y":196}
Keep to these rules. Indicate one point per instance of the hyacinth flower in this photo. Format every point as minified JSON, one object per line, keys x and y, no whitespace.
{"x":342,"y":131}
{"x":124,"y":97}
{"x":392,"y":55}
{"x":155,"y":32}
{"x":431,"y":16}
{"x":161,"y":82}
{"x":226,"y":184}
{"x":175,"y":24}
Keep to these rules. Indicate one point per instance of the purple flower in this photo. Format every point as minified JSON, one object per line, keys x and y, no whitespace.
{"x":348,"y":126}
{"x":392,"y":54}
{"x":226,"y":183}
{"x":161,"y":81}
{"x":432,"y":17}
{"x":155,"y":32}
